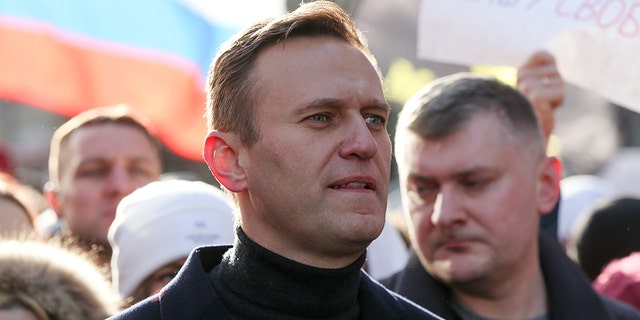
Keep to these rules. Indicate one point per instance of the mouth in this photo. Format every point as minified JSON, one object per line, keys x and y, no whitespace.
{"x":456,"y":244}
{"x":355,"y":184}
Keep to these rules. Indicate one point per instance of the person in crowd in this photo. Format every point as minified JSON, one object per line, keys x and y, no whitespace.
{"x":6,"y":161}
{"x":620,"y":280}
{"x":19,"y":204}
{"x":298,"y":136}
{"x":579,"y":193}
{"x":15,"y":309}
{"x":43,"y":281}
{"x":475,"y":180}
{"x":97,"y":158}
{"x":539,"y":79}
{"x":157,"y":226}
{"x":608,"y":230}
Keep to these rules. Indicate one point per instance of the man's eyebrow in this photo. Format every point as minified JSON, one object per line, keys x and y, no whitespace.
{"x":470,"y":172}
{"x":93,"y":160}
{"x":380,"y":104}
{"x":102,"y":160}
{"x":420,"y":177}
{"x":456,"y":175}
{"x":336,"y":103}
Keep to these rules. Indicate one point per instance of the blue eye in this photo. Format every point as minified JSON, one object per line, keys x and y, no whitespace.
{"x":375,"y":120}
{"x":319,"y":117}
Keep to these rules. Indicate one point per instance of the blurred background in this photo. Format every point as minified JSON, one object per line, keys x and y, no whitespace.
{"x":61,"y":57}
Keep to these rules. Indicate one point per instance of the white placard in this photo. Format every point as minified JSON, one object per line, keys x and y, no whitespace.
{"x":596,"y":42}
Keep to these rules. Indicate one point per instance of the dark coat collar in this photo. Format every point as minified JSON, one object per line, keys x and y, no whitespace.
{"x":570,"y":295}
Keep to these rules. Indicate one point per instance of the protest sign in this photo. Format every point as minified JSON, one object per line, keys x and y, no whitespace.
{"x":596,"y":42}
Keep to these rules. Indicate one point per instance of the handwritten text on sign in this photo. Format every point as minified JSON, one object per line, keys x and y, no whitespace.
{"x":596,"y":42}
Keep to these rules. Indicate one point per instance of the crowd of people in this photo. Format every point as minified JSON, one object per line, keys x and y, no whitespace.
{"x":298,"y":142}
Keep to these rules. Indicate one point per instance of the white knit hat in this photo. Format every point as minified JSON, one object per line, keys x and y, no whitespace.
{"x":164,"y":221}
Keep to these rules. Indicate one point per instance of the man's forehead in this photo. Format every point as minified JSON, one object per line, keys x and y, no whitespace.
{"x":435,"y":157}
{"x":101,"y":141}
{"x":103,"y":132}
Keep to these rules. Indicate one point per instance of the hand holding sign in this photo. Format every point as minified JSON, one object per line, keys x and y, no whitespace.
{"x":540,"y":81}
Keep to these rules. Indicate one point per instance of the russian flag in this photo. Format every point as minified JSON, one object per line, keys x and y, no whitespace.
{"x":68,"y":56}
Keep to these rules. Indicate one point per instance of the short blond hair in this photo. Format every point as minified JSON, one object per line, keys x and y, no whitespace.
{"x":119,"y":114}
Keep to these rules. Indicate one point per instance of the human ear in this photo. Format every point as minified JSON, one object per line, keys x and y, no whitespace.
{"x":222,"y":158}
{"x":51,"y":197}
{"x":549,"y":184}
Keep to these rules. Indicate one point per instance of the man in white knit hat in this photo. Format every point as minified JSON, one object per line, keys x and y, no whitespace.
{"x":157,"y":226}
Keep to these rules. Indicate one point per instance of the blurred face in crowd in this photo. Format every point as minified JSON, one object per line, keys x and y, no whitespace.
{"x":13,"y":217}
{"x":17,"y":313}
{"x":472,"y":200}
{"x":158,"y":279}
{"x":99,"y":165}
{"x":314,"y":186}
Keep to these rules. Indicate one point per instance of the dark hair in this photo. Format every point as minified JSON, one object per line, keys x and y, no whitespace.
{"x":231,"y":85}
{"x":446,"y":104}
{"x":607,"y":230}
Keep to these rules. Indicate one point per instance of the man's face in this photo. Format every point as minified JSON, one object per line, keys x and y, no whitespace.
{"x":318,"y":176}
{"x":100,"y":164}
{"x":17,"y":313}
{"x":471,"y":202}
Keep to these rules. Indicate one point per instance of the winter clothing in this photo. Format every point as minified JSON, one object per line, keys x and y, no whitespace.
{"x":607,"y":231}
{"x":63,"y":284}
{"x":569,"y":293}
{"x":251,"y":282}
{"x":164,"y":221}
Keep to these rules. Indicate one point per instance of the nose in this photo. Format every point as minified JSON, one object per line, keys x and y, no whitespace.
{"x":120,"y":182}
{"x":447,"y":209}
{"x":359,"y":142}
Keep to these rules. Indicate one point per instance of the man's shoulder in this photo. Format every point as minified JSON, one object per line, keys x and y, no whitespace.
{"x":378,"y":300}
{"x":146,"y":309}
{"x":190,"y":295}
{"x":620,"y":310}
{"x":151,"y":309}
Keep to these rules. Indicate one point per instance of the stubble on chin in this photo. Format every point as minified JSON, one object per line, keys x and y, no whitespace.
{"x":461,"y":275}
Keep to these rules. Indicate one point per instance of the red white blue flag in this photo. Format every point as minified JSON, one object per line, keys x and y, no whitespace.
{"x":68,"y":56}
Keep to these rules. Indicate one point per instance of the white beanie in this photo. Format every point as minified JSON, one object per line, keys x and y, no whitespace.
{"x":577,"y":194}
{"x":164,"y":221}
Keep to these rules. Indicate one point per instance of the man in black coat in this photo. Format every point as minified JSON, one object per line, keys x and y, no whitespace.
{"x":475,"y":180}
{"x":297,"y":120}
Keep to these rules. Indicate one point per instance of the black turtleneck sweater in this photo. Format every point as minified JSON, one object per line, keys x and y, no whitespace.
{"x":255,"y":283}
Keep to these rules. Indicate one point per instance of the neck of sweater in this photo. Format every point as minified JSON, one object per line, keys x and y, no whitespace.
{"x":255,"y":283}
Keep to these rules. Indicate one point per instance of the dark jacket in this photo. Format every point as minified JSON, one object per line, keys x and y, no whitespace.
{"x":570,"y":295}
{"x":191,"y":296}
